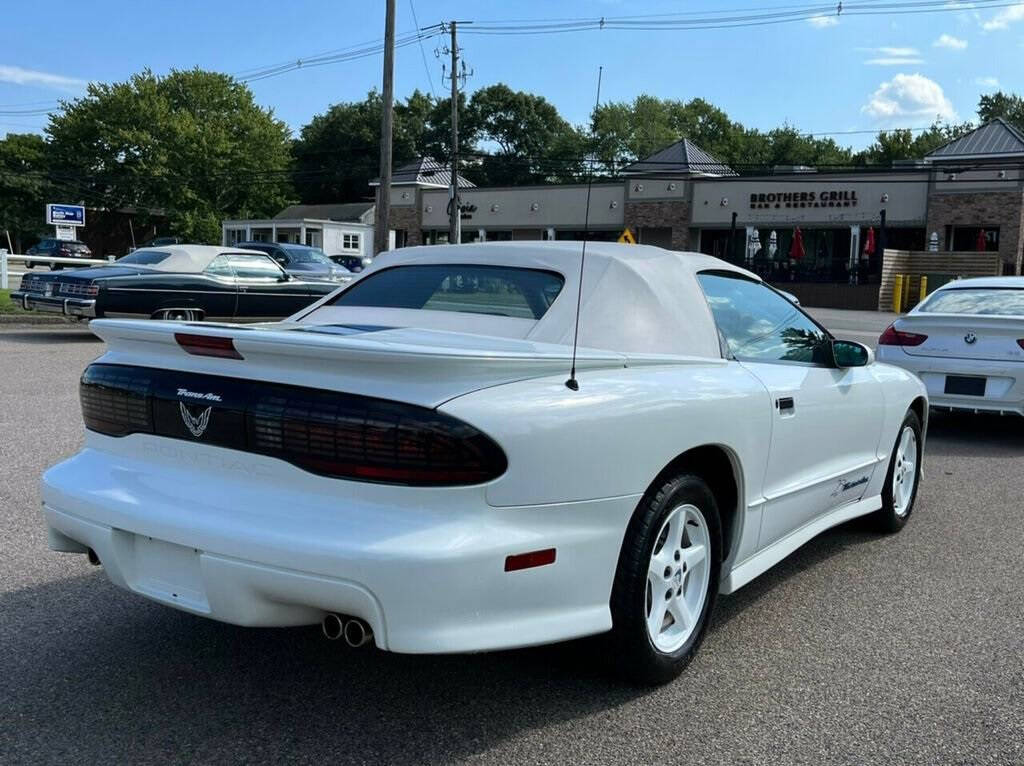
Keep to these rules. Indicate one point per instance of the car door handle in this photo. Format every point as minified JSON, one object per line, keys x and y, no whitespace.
{"x":785,"y":404}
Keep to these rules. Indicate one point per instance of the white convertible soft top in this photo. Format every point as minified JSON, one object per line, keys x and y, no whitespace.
{"x":636,"y":299}
{"x":184,"y":259}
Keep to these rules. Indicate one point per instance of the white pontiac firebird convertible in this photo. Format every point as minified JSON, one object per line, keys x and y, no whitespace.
{"x":406,"y":461}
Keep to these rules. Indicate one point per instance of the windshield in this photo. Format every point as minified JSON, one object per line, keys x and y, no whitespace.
{"x":496,"y":290}
{"x":976,"y":300}
{"x":300,"y":254}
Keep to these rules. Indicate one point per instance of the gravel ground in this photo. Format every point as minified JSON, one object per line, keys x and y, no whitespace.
{"x":857,"y":649}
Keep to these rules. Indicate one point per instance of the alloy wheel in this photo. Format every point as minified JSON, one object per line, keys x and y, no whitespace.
{"x":677,"y":578}
{"x":904,"y":473}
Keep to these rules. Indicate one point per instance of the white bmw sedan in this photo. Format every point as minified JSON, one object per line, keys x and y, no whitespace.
{"x":966,"y":343}
{"x":409,"y":462}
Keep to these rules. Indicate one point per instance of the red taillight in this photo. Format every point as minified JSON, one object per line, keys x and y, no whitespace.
{"x":893,"y":337}
{"x":530,"y":560}
{"x":208,"y":345}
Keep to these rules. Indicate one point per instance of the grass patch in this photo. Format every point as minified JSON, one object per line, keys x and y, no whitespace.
{"x":7,"y":306}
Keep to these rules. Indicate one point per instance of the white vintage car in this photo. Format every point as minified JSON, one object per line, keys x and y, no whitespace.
{"x":408,"y":461}
{"x":966,"y":343}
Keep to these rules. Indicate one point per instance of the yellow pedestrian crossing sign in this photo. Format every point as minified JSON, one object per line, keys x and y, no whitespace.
{"x":626,"y":237}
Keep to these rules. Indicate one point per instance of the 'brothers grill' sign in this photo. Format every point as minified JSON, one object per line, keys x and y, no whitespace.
{"x":827,"y":198}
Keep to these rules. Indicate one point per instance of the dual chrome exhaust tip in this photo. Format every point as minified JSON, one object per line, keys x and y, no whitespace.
{"x":354,"y":631}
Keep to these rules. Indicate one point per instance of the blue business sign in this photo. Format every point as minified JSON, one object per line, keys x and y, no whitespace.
{"x":65,"y":215}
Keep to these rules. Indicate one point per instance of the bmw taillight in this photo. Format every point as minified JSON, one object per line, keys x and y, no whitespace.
{"x":893,"y":337}
{"x":335,"y":434}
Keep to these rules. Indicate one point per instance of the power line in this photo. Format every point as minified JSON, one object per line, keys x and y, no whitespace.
{"x":423,"y":53}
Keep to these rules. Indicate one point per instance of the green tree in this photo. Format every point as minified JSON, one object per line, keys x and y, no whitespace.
{"x":533,"y":142}
{"x":893,"y":145}
{"x":337,"y":153}
{"x":192,"y":145}
{"x":1009,"y":106}
{"x":24,"y":188}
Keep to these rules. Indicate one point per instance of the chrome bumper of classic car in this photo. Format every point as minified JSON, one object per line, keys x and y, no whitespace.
{"x":72,"y":307}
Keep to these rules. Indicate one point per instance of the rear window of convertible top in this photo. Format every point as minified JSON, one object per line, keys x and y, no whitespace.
{"x":469,"y":288}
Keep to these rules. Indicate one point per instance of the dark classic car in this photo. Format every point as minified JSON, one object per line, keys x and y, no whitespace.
{"x":184,"y":282}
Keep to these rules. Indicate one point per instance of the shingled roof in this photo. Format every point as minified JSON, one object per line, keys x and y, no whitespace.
{"x":996,"y":138}
{"x":351,"y":212}
{"x":426,"y":171}
{"x":681,"y":158}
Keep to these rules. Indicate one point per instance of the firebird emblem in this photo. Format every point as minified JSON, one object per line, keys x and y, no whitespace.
{"x":195,"y":424}
{"x":970,"y":338}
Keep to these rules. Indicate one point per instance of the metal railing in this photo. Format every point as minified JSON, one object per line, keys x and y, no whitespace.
{"x":6,"y":273}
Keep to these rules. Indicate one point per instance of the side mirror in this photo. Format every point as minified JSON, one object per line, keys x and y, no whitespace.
{"x":848,"y":353}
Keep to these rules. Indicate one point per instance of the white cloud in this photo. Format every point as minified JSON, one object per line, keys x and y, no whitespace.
{"x":822,"y":20}
{"x":20,"y":76}
{"x":987,"y":82}
{"x":1004,"y":18}
{"x":898,"y":51}
{"x":948,"y":41}
{"x":909,"y":96}
{"x":894,"y":61}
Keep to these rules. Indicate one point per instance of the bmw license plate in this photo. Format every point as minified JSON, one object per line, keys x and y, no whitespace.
{"x":965,"y":386}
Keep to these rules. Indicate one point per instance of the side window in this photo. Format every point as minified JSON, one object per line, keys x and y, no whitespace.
{"x":220,"y":267}
{"x":759,"y":325}
{"x":255,"y":267}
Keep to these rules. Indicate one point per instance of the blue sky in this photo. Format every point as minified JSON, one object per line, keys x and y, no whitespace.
{"x":825,"y":74}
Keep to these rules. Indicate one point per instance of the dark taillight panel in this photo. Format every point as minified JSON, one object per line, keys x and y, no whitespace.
{"x":893,"y":337}
{"x":328,"y":433}
{"x":116,"y":400}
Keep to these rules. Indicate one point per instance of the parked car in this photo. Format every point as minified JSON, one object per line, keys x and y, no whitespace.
{"x":300,"y":260}
{"x":419,"y":467}
{"x":157,"y":242}
{"x":965,"y":341}
{"x":354,"y":263}
{"x":58,"y":248}
{"x":187,"y":282}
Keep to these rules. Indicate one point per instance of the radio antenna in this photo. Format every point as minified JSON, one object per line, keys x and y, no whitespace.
{"x":572,"y":383}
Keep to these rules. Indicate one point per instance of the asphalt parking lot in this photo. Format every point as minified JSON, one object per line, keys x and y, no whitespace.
{"x":857,"y":649}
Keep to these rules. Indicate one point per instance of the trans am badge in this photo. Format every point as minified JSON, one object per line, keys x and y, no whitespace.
{"x":195,"y":424}
{"x":844,"y":485}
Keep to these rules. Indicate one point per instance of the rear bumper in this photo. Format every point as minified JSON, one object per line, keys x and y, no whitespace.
{"x":75,"y":307}
{"x":1004,"y":389}
{"x":253,"y":541}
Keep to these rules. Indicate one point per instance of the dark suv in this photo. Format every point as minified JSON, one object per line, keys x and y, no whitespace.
{"x":301,"y":261}
{"x":59,"y":248}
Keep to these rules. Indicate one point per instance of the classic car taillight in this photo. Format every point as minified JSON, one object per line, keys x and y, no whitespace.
{"x":335,"y":434}
{"x":893,"y":337}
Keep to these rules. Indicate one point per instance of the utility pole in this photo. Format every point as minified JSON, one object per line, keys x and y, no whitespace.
{"x":382,"y":222}
{"x":454,"y":217}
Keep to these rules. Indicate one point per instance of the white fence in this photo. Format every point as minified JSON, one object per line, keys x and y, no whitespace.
{"x":6,"y":257}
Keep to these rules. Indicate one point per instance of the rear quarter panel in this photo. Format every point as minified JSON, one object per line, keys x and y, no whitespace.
{"x":613,"y":436}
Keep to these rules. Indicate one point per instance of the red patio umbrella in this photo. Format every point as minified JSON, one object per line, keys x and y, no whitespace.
{"x":979,"y":245}
{"x":796,"y":250}
{"x":869,"y":241}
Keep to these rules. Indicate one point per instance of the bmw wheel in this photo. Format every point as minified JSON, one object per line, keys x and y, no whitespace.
{"x":903,"y":477}
{"x":667,"y":580}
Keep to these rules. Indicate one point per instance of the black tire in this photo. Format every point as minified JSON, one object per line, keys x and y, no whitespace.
{"x":634,"y":653}
{"x":888,"y":518}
